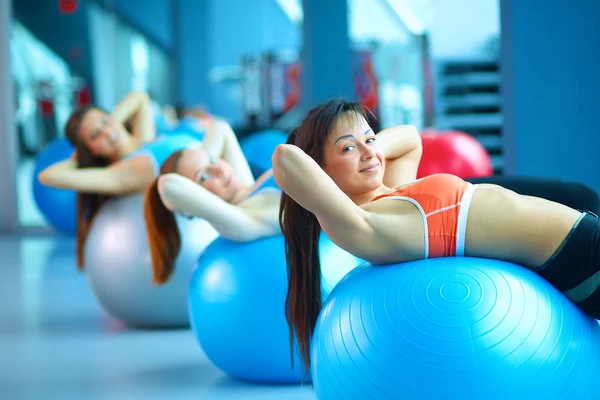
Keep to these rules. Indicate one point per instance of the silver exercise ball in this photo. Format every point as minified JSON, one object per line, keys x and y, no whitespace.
{"x":119,"y":269}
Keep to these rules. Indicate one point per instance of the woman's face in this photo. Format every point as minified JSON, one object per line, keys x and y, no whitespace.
{"x":102,"y":135}
{"x":216,"y":176}
{"x":351,"y":156}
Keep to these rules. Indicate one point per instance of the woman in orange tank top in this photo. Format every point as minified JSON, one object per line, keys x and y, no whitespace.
{"x":361,"y":189}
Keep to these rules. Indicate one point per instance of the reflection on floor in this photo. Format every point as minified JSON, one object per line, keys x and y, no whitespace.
{"x":57,"y":343}
{"x":29,"y":214}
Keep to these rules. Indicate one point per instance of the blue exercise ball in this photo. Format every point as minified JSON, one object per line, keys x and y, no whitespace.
{"x":186,"y":126}
{"x":58,"y":206}
{"x":237,"y":306}
{"x":450,"y":328}
{"x":258,"y":148}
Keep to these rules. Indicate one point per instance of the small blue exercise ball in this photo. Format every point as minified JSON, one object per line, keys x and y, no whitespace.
{"x":189,"y":126}
{"x":58,"y":206}
{"x":237,"y":306}
{"x":259,"y":147}
{"x":453,"y":328}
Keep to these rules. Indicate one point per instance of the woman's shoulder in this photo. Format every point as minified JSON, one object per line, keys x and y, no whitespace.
{"x":137,"y":159}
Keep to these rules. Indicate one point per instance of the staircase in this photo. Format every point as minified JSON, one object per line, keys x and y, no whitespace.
{"x":467,"y":98}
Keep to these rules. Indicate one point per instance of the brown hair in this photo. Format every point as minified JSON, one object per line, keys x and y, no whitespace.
{"x":88,"y":204}
{"x":301,"y":229}
{"x":164,"y":239}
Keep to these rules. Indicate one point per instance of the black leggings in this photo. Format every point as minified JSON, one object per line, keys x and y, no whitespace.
{"x":574,"y":269}
{"x":571,"y":194}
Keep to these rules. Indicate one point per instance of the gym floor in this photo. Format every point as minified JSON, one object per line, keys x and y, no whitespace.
{"x":57,"y":343}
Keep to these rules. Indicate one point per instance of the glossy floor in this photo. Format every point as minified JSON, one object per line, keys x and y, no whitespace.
{"x":57,"y":343}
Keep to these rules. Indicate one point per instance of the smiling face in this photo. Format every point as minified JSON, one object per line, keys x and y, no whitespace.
{"x":216,"y":176}
{"x":102,"y":135}
{"x":351,"y":156}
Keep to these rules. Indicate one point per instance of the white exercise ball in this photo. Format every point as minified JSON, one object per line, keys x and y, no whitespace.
{"x":119,"y":268}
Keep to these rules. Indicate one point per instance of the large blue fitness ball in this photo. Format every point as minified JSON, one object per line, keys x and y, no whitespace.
{"x":58,"y":206}
{"x":259,"y":147}
{"x":237,"y":306}
{"x":453,"y":328}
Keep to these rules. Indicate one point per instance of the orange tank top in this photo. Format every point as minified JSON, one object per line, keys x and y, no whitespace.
{"x":443,"y":201}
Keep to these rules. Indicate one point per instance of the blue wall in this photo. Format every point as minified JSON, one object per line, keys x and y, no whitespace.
{"x":65,"y":34}
{"x":327,"y":55}
{"x":191,"y":44}
{"x":241,"y":27}
{"x":215,"y":33}
{"x":551,"y":88}
{"x":68,"y":34}
{"x":202,"y":34}
{"x":152,"y":18}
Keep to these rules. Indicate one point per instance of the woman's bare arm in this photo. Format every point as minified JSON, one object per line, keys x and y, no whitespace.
{"x":127,"y":176}
{"x":403,"y":149}
{"x":221,"y":142}
{"x":182,"y":195}
{"x":136,"y":107}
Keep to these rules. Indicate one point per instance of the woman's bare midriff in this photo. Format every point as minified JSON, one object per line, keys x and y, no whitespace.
{"x":523,"y":229}
{"x":501,"y":224}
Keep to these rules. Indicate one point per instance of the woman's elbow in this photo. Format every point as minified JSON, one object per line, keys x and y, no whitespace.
{"x":43,"y":178}
{"x":413,"y":137}
{"x":141,"y":94}
{"x":276,"y":164}
{"x":166,"y":189}
{"x":280,"y":162}
{"x":276,"y":157}
{"x":48,"y":177}
{"x":412,"y":132}
{"x":418,"y":150}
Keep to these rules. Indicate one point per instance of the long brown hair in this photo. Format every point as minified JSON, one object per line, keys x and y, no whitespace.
{"x":88,"y":204}
{"x":302,"y":231}
{"x":164,"y":239}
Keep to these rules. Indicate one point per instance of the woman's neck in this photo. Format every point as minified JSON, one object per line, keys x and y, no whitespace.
{"x":363,"y":198}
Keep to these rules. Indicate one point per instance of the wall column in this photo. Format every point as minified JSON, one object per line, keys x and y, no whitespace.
{"x":9,"y":217}
{"x":326,"y":52}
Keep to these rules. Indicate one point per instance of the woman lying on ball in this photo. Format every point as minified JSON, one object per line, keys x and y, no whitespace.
{"x":109,"y":160}
{"x":337,"y":174}
{"x":214,"y":183}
